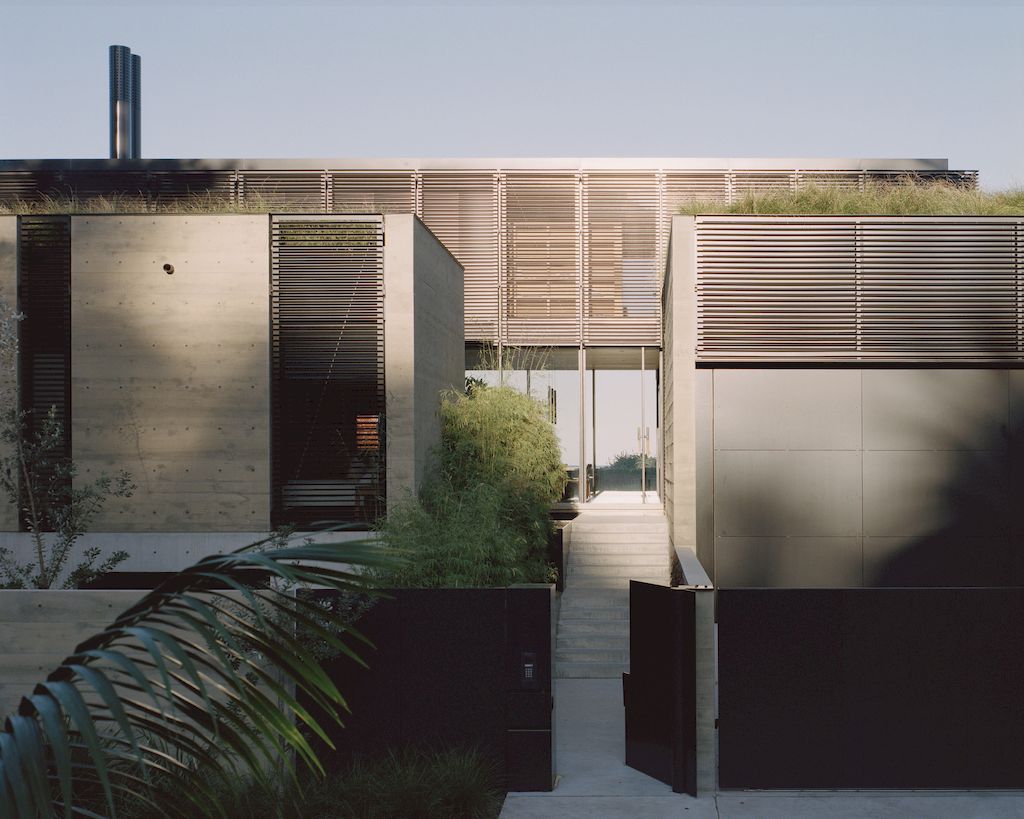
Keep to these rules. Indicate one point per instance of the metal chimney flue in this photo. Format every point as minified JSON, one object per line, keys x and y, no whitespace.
{"x":125,"y":103}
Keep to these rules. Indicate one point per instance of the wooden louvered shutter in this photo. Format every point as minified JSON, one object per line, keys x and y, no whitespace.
{"x":372,"y":191}
{"x":44,"y":335}
{"x":774,"y":289}
{"x":541,"y":302}
{"x":926,"y":289}
{"x":461,"y":209}
{"x":185,"y":186}
{"x":621,"y":259}
{"x":327,"y":294}
{"x":690,"y":186}
{"x":938,"y":290}
{"x":280,"y":190}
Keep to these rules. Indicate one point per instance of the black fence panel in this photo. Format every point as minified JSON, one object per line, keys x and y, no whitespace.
{"x":871,"y":688}
{"x":455,"y":667}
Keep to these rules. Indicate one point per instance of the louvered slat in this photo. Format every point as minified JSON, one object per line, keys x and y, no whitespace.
{"x":848,"y":288}
{"x":621,"y":259}
{"x":327,"y":284}
{"x":462,"y":211}
{"x":373,"y":191}
{"x":44,"y":335}
{"x":298,"y":190}
{"x":542,"y":264}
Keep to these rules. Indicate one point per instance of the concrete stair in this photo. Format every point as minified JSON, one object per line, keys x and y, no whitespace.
{"x":606,"y":551}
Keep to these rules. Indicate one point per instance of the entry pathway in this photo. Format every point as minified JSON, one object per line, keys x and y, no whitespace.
{"x":595,"y":783}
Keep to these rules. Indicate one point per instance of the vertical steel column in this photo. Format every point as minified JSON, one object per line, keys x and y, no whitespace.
{"x":583,"y":424}
{"x":643,"y":428}
{"x":593,"y":420}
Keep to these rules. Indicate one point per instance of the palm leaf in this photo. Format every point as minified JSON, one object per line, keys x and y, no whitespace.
{"x":190,"y":687}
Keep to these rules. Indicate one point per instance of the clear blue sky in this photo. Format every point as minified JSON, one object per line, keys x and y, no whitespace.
{"x":337,"y":79}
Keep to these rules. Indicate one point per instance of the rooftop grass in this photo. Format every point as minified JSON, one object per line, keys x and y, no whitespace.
{"x":193,"y":203}
{"x":905,"y":198}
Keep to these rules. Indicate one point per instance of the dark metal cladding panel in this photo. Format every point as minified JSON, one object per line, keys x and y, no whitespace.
{"x":327,"y":297}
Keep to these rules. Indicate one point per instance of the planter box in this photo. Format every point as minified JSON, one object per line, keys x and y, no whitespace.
{"x":40,"y":627}
{"x":448,"y":670}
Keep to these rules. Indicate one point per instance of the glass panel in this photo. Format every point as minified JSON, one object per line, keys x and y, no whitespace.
{"x":622,"y":426}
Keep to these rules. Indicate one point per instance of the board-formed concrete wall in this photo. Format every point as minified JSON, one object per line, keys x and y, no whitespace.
{"x":170,"y":372}
{"x":8,"y":384}
{"x":866,"y":477}
{"x":39,"y":628}
{"x":679,"y":388}
{"x":424,"y":348}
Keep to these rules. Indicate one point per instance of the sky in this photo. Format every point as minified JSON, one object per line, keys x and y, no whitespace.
{"x":907,"y":78}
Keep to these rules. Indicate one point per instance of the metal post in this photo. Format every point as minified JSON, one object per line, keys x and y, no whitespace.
{"x":643,"y":428}
{"x":583,"y":424}
{"x":593,"y":420}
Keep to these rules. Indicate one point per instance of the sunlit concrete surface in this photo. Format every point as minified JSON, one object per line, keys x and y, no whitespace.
{"x":594,"y":782}
{"x":624,"y":498}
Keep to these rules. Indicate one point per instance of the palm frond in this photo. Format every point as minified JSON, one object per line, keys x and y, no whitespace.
{"x":195,"y":685}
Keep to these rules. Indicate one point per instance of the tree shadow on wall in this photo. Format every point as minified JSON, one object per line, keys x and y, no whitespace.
{"x":969,"y":499}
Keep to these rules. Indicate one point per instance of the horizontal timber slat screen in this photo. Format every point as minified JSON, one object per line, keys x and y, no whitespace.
{"x":553,"y":254}
{"x":327,"y":297}
{"x":860,"y":288}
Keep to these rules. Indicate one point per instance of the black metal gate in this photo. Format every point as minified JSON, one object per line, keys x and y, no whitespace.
{"x":871,"y":688}
{"x":660,"y":691}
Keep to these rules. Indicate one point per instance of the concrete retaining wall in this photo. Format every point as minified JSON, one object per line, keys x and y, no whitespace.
{"x":38,"y":629}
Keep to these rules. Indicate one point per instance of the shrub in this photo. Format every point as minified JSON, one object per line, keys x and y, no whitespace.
{"x":482,"y":516}
{"x":412,"y":783}
{"x":908,"y":197}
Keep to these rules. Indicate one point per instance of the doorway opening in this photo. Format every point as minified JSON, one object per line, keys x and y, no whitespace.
{"x":604,"y":404}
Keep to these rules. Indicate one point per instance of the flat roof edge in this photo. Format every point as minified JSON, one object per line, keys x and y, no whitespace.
{"x":485,"y":163}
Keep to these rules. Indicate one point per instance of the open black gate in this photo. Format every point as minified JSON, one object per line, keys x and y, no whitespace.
{"x":660,"y":690}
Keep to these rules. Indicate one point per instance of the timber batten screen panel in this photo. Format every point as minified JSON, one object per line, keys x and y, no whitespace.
{"x":939,"y":289}
{"x":461,"y":210}
{"x":775,"y":290}
{"x":327,"y":297}
{"x":541,"y":272}
{"x":371,"y":192}
{"x":44,"y":296}
{"x":306,"y":190}
{"x":860,"y":288}
{"x":622,"y":258}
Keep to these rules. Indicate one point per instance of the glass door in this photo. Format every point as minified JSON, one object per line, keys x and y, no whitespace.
{"x":622,"y":430}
